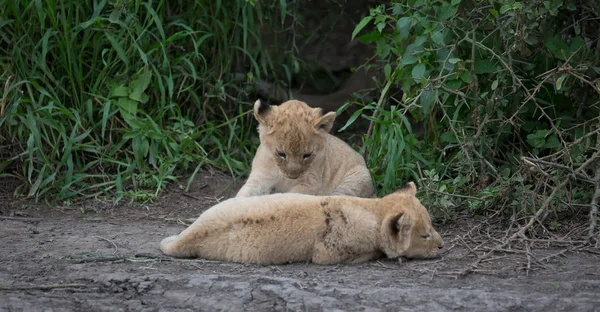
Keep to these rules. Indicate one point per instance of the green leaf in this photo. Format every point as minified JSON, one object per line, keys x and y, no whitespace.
{"x":454,"y":60}
{"x":370,"y":37}
{"x":466,"y":77}
{"x":120,"y":52}
{"x":552,"y":142}
{"x":411,"y":54}
{"x":455,"y":2}
{"x":446,"y":11}
{"x":380,"y":26}
{"x":351,"y":120}
{"x":139,"y":85}
{"x":140,"y":147}
{"x":557,"y":47}
{"x":438,"y":37}
{"x":495,"y":84}
{"x":448,"y":137}
{"x":283,"y":10}
{"x":427,"y":99}
{"x":576,"y":44}
{"x":537,"y":139}
{"x":397,"y":10}
{"x":454,"y":84}
{"x":383,"y":49}
{"x":118,"y":91}
{"x":114,"y":15}
{"x":560,"y":81}
{"x":361,"y":25}
{"x":105,"y":113}
{"x":127,"y":107}
{"x":403,"y":26}
{"x":418,"y":71}
{"x":505,"y":8}
{"x":387,"y":69}
{"x":485,"y":67}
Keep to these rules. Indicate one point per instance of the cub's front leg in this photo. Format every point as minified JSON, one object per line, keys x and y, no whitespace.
{"x":324,"y":255}
{"x":257,"y":185}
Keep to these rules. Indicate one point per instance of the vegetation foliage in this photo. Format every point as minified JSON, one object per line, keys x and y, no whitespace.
{"x":115,"y":96}
{"x":508,"y":92}
{"x":118,"y":96}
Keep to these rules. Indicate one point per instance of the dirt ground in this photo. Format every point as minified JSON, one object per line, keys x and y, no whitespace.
{"x":107,"y":259}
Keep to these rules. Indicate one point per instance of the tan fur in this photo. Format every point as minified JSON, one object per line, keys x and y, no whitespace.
{"x":282,"y":228}
{"x":298,"y":155}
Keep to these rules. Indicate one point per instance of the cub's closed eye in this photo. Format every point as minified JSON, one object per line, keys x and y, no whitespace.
{"x":280,"y":154}
{"x":425,"y":236}
{"x":307,"y":155}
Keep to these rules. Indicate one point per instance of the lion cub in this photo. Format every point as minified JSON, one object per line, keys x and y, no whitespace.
{"x":282,"y":228}
{"x":298,"y":155}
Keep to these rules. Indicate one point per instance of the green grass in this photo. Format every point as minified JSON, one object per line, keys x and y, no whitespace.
{"x":117,"y":97}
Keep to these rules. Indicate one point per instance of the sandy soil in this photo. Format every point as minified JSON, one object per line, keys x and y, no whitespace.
{"x":107,"y":259}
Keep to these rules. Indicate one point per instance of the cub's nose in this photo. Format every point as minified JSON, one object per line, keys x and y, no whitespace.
{"x":293,"y":175}
{"x":439,"y":240}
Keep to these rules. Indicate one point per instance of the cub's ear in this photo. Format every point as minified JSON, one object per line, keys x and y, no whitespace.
{"x":325,"y":122}
{"x":409,"y":188}
{"x":401,"y":226}
{"x":262,"y":112}
{"x":401,"y":223}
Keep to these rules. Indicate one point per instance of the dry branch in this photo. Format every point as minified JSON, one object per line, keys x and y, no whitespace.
{"x":594,"y":207}
{"x":27,"y":219}
{"x":42,"y":287}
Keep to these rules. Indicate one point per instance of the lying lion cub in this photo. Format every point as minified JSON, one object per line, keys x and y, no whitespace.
{"x":298,"y":155}
{"x":282,"y":228}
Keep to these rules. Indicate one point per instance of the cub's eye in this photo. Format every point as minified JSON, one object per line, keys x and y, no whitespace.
{"x":307,"y":155}
{"x":280,"y":154}
{"x":425,"y":236}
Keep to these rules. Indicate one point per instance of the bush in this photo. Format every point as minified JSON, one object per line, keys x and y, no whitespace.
{"x":508,"y":93}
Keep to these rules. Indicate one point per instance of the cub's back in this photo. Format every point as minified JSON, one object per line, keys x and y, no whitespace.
{"x":276,"y":227}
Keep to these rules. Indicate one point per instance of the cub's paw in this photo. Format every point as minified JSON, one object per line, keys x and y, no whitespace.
{"x":166,"y":245}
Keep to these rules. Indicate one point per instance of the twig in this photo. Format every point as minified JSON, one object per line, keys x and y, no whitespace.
{"x":21,"y":219}
{"x":4,"y":96}
{"x":110,"y":241}
{"x":528,"y":268}
{"x":520,"y":232}
{"x":562,"y":252}
{"x":42,"y":287}
{"x":138,"y":258}
{"x":457,"y":195}
{"x":97,"y":259}
{"x":594,"y":207}
{"x":190,"y":196}
{"x":533,"y":162}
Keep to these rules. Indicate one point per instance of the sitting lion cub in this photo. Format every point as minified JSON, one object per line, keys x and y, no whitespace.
{"x":282,"y":228}
{"x":298,"y":155}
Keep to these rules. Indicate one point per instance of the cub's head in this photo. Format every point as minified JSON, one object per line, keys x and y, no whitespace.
{"x":406,"y":229}
{"x":294,"y":134}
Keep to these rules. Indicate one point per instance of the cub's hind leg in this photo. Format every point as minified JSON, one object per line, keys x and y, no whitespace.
{"x":357,"y":182}
{"x":176,"y":246}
